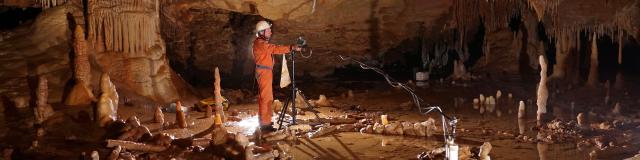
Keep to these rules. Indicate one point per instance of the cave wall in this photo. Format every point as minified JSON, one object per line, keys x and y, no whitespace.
{"x":362,"y":29}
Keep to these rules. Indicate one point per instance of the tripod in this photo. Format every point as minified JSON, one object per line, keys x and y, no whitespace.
{"x":294,"y":93}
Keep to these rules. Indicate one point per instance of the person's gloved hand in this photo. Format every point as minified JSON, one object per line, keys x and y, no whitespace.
{"x":296,"y":48}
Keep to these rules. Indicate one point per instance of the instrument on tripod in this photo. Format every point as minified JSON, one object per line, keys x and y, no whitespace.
{"x":294,"y":90}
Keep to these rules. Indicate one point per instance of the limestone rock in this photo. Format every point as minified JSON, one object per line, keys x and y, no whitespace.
{"x":80,"y":95}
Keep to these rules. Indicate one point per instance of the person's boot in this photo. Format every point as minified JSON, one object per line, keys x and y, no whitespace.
{"x":266,"y":129}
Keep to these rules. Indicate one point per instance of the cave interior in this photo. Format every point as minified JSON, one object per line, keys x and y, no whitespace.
{"x":375,"y":79}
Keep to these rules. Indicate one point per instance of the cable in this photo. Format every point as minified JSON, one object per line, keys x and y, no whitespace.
{"x":449,"y":132}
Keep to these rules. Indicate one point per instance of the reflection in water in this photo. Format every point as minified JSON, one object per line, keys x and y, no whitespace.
{"x":383,"y":141}
{"x":521,"y":125}
{"x":543,"y":151}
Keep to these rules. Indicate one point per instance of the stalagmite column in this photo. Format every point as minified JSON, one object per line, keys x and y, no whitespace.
{"x":218,"y":95}
{"x":43,"y":110}
{"x":81,"y":93}
{"x":542,"y":93}
{"x":593,"y":68}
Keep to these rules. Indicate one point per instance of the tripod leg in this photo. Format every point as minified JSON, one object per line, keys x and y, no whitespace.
{"x":283,"y":111}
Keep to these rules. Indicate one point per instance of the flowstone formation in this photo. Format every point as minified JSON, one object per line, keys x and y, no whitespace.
{"x":126,"y":38}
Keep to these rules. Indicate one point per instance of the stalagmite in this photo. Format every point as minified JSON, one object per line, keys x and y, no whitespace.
{"x":582,"y":122}
{"x":490,"y":104}
{"x":593,"y":68}
{"x":476,"y":103}
{"x":323,"y":101}
{"x":616,"y":109}
{"x":619,"y":81}
{"x":43,"y":110}
{"x":484,"y":151}
{"x":459,"y":71}
{"x":95,"y":155}
{"x":158,"y":116}
{"x":81,"y":93}
{"x":115,"y":153}
{"x":107,"y":109}
{"x":482,"y":99}
{"x":218,"y":95}
{"x":607,"y":88}
{"x":542,"y":93}
{"x":521,"y":126}
{"x":521,"y":111}
{"x":181,"y":120}
{"x":498,"y":95}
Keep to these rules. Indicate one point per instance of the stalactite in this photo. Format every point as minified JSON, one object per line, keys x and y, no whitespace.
{"x":50,"y":3}
{"x":593,"y":68}
{"x":620,"y":47}
{"x":124,"y":26}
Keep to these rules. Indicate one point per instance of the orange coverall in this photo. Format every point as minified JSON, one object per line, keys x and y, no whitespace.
{"x":262,"y":51}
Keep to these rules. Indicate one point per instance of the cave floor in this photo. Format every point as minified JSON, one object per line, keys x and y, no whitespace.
{"x":75,"y":134}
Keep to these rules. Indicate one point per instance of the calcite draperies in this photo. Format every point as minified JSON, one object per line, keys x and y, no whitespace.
{"x":50,"y":3}
{"x":130,"y":26}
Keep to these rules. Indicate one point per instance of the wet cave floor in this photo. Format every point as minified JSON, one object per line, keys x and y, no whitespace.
{"x":75,"y":133}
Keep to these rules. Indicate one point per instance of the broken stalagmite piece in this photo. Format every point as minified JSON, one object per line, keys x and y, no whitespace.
{"x":542,"y":92}
{"x":134,"y":146}
{"x":115,"y":153}
{"x":326,"y":129}
{"x":181,"y":120}
{"x":484,"y":151}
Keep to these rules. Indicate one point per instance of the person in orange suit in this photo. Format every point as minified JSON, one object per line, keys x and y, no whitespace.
{"x":262,"y":52}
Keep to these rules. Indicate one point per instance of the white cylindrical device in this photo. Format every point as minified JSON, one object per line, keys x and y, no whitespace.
{"x":451,"y":150}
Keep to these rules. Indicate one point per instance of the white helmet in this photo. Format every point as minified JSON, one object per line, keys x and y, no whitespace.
{"x":262,"y":25}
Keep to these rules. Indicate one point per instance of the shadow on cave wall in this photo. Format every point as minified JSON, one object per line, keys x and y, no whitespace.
{"x":213,"y":38}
